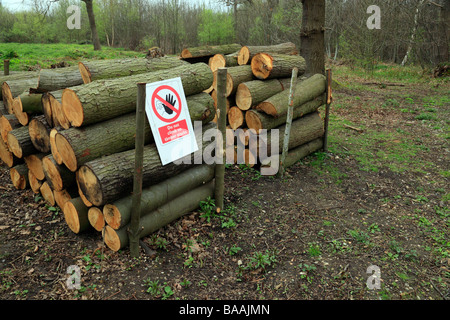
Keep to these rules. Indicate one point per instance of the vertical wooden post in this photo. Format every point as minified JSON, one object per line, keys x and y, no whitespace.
{"x":221,"y":126}
{"x":290,"y":114}
{"x":135,"y":228}
{"x":327,"y":111}
{"x":6,"y":67}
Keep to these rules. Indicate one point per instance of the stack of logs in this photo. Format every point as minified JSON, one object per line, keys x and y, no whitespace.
{"x":69,"y":134}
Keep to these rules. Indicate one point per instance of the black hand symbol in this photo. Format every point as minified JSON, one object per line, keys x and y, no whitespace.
{"x":171,"y":100}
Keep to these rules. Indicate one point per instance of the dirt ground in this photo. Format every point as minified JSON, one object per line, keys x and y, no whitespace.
{"x":378,"y":199}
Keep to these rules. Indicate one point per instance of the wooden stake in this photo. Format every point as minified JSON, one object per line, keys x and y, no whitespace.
{"x":134,"y":229}
{"x":290,"y":115}
{"x":327,"y":111}
{"x":6,"y":67}
{"x":221,"y":126}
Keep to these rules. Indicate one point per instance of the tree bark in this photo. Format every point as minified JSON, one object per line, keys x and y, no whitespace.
{"x":109,"y":178}
{"x":106,"y":99}
{"x":151,"y":222}
{"x":118,"y":213}
{"x":258,"y":120}
{"x":91,"y":16}
{"x":270,"y":66}
{"x":39,"y":132}
{"x":207,"y":51}
{"x":235,"y":76}
{"x":117,"y":68}
{"x":306,"y":90}
{"x":312,"y":36}
{"x":246,"y":53}
{"x":249,"y":94}
{"x":19,"y":142}
{"x":57,"y":79}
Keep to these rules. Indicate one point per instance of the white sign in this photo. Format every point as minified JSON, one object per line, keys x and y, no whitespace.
{"x":168,"y":115}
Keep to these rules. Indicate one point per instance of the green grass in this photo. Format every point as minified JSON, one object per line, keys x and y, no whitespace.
{"x":24,"y":56}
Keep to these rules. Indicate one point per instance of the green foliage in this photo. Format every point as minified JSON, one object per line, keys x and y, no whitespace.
{"x":215,"y":27}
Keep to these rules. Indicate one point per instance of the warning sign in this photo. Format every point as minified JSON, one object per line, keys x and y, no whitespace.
{"x":168,"y":115}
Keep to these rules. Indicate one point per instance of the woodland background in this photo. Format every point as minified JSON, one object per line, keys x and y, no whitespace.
{"x":418,"y":25}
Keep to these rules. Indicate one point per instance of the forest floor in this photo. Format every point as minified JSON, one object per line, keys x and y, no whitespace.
{"x":379,"y":200}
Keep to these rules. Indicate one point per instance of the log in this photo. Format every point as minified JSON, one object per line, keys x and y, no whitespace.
{"x":235,"y":76}
{"x":151,"y":222}
{"x":293,"y":155}
{"x":251,"y":93}
{"x":18,"y":75}
{"x":62,"y":196}
{"x":96,"y":219}
{"x":305,"y":90}
{"x":52,"y":109}
{"x":303,"y":130}
{"x":109,"y":178}
{"x":13,"y":88}
{"x":106,"y":99}
{"x":118,"y":213}
{"x":259,"y":120}
{"x":7,"y":156}
{"x":34,"y":163}
{"x":76,"y":215}
{"x":59,"y":78}
{"x":26,"y":105}
{"x":35,"y":183}
{"x":270,"y":66}
{"x":221,"y":61}
{"x":77,"y":146}
{"x":235,"y":117}
{"x":47,"y":193}
{"x":19,"y":142}
{"x":53,"y":149}
{"x":208,"y":51}
{"x":8,"y":122}
{"x":246,"y":53}
{"x":39,"y":132}
{"x":19,"y":176}
{"x":57,"y":175}
{"x":116,"y":68}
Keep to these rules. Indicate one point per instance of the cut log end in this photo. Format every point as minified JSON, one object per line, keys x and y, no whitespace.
{"x":85,"y":73}
{"x":52,"y":173}
{"x":186,"y":54}
{"x":112,"y":216}
{"x":23,"y":117}
{"x":217,"y":61}
{"x":96,"y":219}
{"x":262,"y":65}
{"x":71,"y":217}
{"x":34,"y":163}
{"x":243,"y":97}
{"x":62,"y":197}
{"x":235,"y":117}
{"x":7,"y":97}
{"x":72,"y":108}
{"x":39,"y":135}
{"x":19,"y":177}
{"x":253,"y":121}
{"x":47,"y":193}
{"x":53,"y":148}
{"x":89,"y":185}
{"x":35,"y":184}
{"x":243,"y":56}
{"x":111,"y":239}
{"x":14,"y":145}
{"x":65,"y":151}
{"x":47,"y":109}
{"x":268,"y":108}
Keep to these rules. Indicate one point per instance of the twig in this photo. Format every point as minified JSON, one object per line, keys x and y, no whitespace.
{"x":353,"y":128}
{"x":435,"y":288}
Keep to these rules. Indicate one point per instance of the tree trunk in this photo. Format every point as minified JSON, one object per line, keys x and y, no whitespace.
{"x":305,"y":91}
{"x":106,"y":99}
{"x":258,"y":120}
{"x":76,"y":215}
{"x":235,"y":117}
{"x":90,"y":12}
{"x":246,"y":53}
{"x":294,"y":155}
{"x":34,"y":163}
{"x":19,"y":176}
{"x":58,"y":176}
{"x":39,"y":132}
{"x":303,"y":130}
{"x":118,"y":213}
{"x":117,"y":68}
{"x":76,"y":146}
{"x":235,"y":76}
{"x":57,"y":79}
{"x":413,"y":33}
{"x":312,"y":36}
{"x":249,"y":94}
{"x":270,"y":66}
{"x":109,"y":178}
{"x":207,"y":51}
{"x":151,"y":222}
{"x":19,"y":142}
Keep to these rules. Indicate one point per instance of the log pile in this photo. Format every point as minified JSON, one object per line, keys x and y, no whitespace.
{"x":69,"y":134}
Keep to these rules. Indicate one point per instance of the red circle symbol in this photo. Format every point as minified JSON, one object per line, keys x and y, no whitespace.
{"x":156,"y":97}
